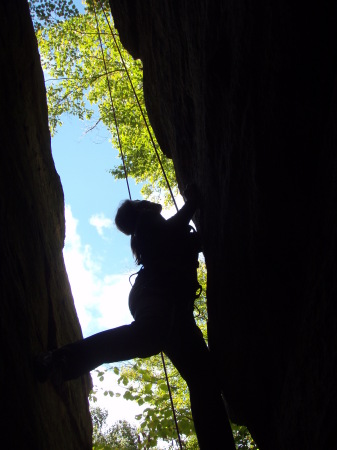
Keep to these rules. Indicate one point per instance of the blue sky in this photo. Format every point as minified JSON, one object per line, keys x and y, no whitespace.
{"x":92,"y":197}
{"x":97,"y":256}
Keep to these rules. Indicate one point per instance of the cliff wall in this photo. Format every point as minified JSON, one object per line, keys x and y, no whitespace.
{"x":36,"y":308}
{"x":242,"y":96}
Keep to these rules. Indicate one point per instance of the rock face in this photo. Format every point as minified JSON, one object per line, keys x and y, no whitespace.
{"x":242,"y":96}
{"x":36,"y":310}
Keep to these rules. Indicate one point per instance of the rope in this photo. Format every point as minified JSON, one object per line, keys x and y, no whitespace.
{"x":126,"y":175}
{"x":140,"y":107}
{"x":112,"y":103}
{"x":171,"y":400}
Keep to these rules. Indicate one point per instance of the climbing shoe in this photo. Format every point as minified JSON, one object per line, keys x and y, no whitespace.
{"x":50,"y":366}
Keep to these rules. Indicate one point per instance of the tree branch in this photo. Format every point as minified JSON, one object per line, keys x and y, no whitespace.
{"x":91,"y":128}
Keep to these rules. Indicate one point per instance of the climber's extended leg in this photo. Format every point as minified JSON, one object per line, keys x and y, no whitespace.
{"x":142,"y":338}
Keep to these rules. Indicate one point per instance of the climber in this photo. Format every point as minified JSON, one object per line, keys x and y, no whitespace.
{"x":161,"y":302}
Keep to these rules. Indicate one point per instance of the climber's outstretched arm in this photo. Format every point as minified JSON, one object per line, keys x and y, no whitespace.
{"x":185,"y":214}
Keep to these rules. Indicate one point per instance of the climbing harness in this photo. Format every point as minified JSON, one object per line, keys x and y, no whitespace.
{"x":133,"y":275}
{"x":124,"y":165}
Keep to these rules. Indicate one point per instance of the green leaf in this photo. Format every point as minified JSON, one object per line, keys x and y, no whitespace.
{"x":78,"y":84}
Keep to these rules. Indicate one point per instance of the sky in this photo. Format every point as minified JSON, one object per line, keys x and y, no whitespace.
{"x":94,"y":247}
{"x":97,"y":256}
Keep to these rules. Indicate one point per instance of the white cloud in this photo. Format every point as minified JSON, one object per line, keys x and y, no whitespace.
{"x":101,"y":302}
{"x":100,"y":222}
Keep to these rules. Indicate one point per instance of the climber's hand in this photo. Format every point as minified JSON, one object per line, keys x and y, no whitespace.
{"x":191,"y":194}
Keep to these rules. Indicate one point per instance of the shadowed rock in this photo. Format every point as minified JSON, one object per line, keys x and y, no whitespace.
{"x":242,"y":97}
{"x":36,"y":309}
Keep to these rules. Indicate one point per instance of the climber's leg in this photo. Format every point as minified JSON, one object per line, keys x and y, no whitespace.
{"x":189,"y":353}
{"x":142,"y":338}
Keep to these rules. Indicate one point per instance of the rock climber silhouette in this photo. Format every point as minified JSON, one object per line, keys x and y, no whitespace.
{"x":161,"y":302}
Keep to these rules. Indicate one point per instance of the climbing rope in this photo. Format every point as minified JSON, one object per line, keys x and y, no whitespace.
{"x":112,"y":103}
{"x":139,"y":106}
{"x":125,"y":170}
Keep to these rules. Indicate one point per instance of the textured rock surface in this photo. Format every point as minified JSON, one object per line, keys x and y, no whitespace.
{"x":242,"y":97}
{"x":36,"y":309}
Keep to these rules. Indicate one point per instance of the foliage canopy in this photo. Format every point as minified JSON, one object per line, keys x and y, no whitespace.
{"x":121,"y":435}
{"x":86,"y":77}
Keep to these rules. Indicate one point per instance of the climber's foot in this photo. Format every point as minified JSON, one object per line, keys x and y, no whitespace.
{"x":49,"y":367}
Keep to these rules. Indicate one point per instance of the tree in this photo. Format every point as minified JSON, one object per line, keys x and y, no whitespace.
{"x":46,"y":13}
{"x":120,"y":436}
{"x":88,"y":75}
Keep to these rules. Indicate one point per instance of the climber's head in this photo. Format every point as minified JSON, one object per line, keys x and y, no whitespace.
{"x":129,"y":211}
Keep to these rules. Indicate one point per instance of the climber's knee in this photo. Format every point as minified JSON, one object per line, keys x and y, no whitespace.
{"x":152,"y":332}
